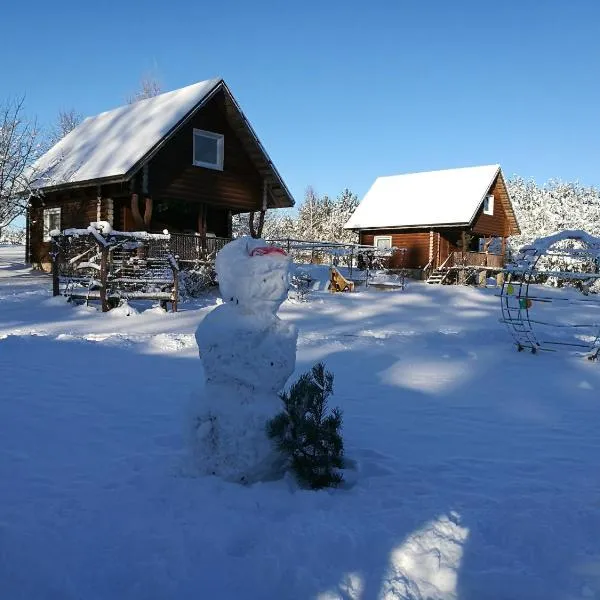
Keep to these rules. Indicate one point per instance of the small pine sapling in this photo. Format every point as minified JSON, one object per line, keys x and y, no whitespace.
{"x":308,"y":436}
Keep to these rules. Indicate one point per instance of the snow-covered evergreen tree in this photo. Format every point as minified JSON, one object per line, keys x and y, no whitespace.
{"x":319,"y":218}
{"x":555,"y":206}
{"x":306,"y":435}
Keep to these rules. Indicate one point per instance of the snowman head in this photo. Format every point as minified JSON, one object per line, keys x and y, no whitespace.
{"x":253,"y":275}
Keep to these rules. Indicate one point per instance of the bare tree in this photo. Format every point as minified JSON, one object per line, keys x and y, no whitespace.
{"x":149,"y":87}
{"x":19,"y":147}
{"x":66,"y":122}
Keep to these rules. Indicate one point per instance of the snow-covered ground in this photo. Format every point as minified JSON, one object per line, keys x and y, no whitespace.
{"x":477,"y":468}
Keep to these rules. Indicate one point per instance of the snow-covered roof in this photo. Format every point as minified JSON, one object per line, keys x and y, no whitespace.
{"x":448,"y":197}
{"x":110,"y":144}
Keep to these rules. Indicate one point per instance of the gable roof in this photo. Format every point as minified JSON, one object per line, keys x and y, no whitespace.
{"x":113,"y":145}
{"x":448,"y":197}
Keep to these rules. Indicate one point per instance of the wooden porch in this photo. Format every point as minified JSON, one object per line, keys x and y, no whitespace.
{"x":461,"y":260}
{"x":465,"y":267}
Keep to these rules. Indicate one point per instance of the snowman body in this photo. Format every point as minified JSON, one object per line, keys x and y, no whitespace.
{"x":248,"y":353}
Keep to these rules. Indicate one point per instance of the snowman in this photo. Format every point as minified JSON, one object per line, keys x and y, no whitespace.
{"x":248,"y":353}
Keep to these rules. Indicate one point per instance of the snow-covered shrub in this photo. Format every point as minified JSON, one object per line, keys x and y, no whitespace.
{"x":300,"y":282}
{"x":11,"y":235}
{"x":593,"y":287}
{"x":194,"y":282}
{"x":306,"y":435}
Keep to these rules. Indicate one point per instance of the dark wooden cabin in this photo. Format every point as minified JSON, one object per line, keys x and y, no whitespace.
{"x":184,"y":161}
{"x":445,"y":219}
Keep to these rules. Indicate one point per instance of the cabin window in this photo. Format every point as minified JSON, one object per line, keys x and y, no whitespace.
{"x":51,"y":222}
{"x":383,"y":242}
{"x":208,"y":149}
{"x":488,"y":205}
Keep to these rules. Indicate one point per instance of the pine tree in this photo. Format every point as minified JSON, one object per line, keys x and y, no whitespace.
{"x":308,"y":436}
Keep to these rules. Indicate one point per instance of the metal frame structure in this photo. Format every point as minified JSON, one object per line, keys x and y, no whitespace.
{"x":571,"y":258}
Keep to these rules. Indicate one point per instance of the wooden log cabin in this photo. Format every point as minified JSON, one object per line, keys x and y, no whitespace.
{"x":184,"y":161}
{"x":445,"y":219}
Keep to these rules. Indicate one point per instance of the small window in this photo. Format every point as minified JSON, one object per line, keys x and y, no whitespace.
{"x":208,"y":149}
{"x":488,"y":205}
{"x":51,"y":222}
{"x":383,"y":242}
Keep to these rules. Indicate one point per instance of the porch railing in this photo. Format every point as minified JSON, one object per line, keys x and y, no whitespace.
{"x":189,"y":247}
{"x":477,"y":259}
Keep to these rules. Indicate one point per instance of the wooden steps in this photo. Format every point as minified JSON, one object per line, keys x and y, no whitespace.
{"x":437,"y":277}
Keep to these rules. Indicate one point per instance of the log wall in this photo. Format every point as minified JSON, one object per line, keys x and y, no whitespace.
{"x":415,"y":242}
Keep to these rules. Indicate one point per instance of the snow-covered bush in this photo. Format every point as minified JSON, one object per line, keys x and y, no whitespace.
{"x":306,"y":435}
{"x":194,"y":282}
{"x":11,"y":235}
{"x":300,"y":282}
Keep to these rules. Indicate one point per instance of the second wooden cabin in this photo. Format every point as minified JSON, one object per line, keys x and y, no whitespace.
{"x":445,"y":219}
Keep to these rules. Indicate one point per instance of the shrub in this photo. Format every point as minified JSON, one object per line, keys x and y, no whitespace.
{"x":194,"y":282}
{"x":306,"y":435}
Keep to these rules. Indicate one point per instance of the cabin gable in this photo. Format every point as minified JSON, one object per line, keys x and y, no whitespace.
{"x":173,"y":175}
{"x":502,"y":222}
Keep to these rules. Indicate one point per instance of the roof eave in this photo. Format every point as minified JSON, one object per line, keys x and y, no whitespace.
{"x":421,"y":226}
{"x":78,"y":184}
{"x":270,"y":163}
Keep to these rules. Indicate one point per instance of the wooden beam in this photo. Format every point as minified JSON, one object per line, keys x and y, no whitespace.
{"x":148,"y":212}
{"x":99,"y":203}
{"x":104,"y":278}
{"x":135,"y":213}
{"x":55,"y":269}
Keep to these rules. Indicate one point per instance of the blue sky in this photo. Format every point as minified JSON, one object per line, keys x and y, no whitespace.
{"x":340,"y":92}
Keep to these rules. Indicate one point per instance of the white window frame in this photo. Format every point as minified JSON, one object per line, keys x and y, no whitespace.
{"x":218,"y":165}
{"x":47,"y":212}
{"x":382,"y":237}
{"x":488,"y":205}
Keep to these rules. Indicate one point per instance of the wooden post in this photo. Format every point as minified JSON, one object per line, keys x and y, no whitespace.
{"x":28,"y":233}
{"x":104,"y":278}
{"x":431,"y":246}
{"x":482,"y":278}
{"x":135,"y":213}
{"x":202,"y":224}
{"x":500,"y":279}
{"x":99,"y":203}
{"x":503,"y":251}
{"x":55,"y":269}
{"x":229,"y":224}
{"x":147,"y":213}
{"x":175,"y":288}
